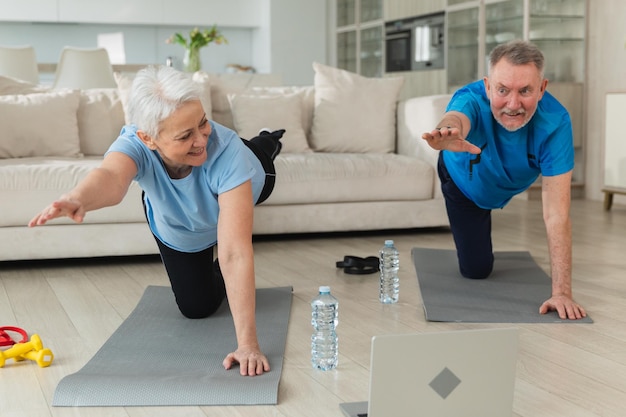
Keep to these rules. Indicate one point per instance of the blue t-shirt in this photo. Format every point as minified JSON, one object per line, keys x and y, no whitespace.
{"x":510,"y":161}
{"x":183,"y":213}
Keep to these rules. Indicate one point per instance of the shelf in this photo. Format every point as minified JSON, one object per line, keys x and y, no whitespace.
{"x":464,"y":46}
{"x":504,"y":20}
{"x":557,"y":40}
{"x":472,"y":26}
{"x":556,"y":16}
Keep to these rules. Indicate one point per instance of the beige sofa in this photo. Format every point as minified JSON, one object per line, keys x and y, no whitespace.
{"x":352,"y":159}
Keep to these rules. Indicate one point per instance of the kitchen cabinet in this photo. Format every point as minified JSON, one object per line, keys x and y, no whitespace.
{"x":464,"y":49}
{"x":233,"y":13}
{"x":28,"y":11}
{"x":557,"y":27}
{"x":400,"y":9}
{"x":110,"y":11}
{"x":359,"y":36}
{"x":421,"y":83}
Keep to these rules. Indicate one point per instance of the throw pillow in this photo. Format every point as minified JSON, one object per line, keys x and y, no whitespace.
{"x":204,"y":80}
{"x":253,"y":112}
{"x":124,"y":82}
{"x":100,"y":119}
{"x":308,"y":100}
{"x":39,"y":124}
{"x":10,"y":85}
{"x":224,"y":84}
{"x":354,"y":113}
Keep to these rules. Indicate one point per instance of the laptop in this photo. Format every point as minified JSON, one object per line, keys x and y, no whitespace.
{"x":465,"y":373}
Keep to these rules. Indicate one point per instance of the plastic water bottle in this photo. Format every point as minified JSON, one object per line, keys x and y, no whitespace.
{"x":324,"y":341}
{"x":389,"y":280}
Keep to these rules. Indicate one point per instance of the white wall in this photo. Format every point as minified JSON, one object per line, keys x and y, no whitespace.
{"x":298,"y":38}
{"x":293,"y":35}
{"x":606,"y":72}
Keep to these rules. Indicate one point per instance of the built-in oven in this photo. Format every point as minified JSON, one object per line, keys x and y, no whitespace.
{"x":415,"y":43}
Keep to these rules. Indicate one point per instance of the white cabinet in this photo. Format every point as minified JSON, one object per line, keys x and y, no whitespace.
{"x":231,"y":13}
{"x":557,"y":27}
{"x":464,"y":48}
{"x":359,"y":36}
{"x":400,"y":9}
{"x":110,"y":11}
{"x":28,"y":11}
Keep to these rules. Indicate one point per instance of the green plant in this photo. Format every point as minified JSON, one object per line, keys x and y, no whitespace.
{"x":198,"y":38}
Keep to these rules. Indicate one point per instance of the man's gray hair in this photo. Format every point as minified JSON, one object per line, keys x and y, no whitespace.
{"x":517,"y":52}
{"x":156,"y":92}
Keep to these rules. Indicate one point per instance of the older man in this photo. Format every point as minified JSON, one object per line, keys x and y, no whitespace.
{"x":496,"y":137}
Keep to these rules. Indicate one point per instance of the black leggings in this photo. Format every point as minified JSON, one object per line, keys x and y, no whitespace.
{"x":196,"y":279}
{"x":471,"y":228}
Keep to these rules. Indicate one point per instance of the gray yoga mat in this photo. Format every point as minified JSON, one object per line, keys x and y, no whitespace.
{"x":511,"y":294}
{"x":159,"y":358}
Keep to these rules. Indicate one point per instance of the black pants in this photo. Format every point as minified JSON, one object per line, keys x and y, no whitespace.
{"x":471,"y":228}
{"x":196,"y":279}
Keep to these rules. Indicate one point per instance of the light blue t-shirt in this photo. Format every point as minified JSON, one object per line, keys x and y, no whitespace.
{"x":510,"y":161}
{"x":183,"y":213}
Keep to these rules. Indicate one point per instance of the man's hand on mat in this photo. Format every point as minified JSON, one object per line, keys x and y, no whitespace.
{"x":565,"y":306}
{"x":251,"y":361}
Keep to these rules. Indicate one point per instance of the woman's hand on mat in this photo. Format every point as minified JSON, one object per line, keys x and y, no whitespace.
{"x":250,"y":359}
{"x":565,"y":306}
{"x":61,"y":208}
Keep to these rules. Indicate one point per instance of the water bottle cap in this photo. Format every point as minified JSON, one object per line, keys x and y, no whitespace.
{"x":324,"y":289}
{"x":389,"y":242}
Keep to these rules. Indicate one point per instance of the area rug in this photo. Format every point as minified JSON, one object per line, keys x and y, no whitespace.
{"x":159,"y":358}
{"x":511,"y":294}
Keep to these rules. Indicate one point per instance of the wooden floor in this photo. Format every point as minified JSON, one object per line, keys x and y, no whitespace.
{"x":573,"y":370}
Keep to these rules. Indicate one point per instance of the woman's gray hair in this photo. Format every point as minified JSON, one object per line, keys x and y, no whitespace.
{"x":517,"y":52}
{"x":156,"y":92}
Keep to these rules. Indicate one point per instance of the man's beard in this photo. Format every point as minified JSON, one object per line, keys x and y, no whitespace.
{"x":513,"y":113}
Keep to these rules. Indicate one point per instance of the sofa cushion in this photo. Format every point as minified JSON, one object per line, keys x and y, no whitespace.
{"x":39,"y":124}
{"x":308,"y":101}
{"x":30,"y":184}
{"x":224,"y":84}
{"x":354,"y":113}
{"x":204,"y":80}
{"x":252,"y":112}
{"x":100,"y":119}
{"x":10,"y":85}
{"x":124,"y":82}
{"x":334,"y":178}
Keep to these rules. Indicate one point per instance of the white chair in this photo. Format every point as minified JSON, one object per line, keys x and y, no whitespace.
{"x":82,"y":68}
{"x":19,"y":62}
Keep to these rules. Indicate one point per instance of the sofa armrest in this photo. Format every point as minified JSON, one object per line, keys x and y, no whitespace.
{"x":415,"y":116}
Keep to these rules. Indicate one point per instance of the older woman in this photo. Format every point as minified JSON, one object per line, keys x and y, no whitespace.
{"x":200,"y":184}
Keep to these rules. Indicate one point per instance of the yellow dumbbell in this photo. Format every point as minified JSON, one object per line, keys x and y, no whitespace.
{"x":28,"y":350}
{"x":42,"y":357}
{"x":18,"y":349}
